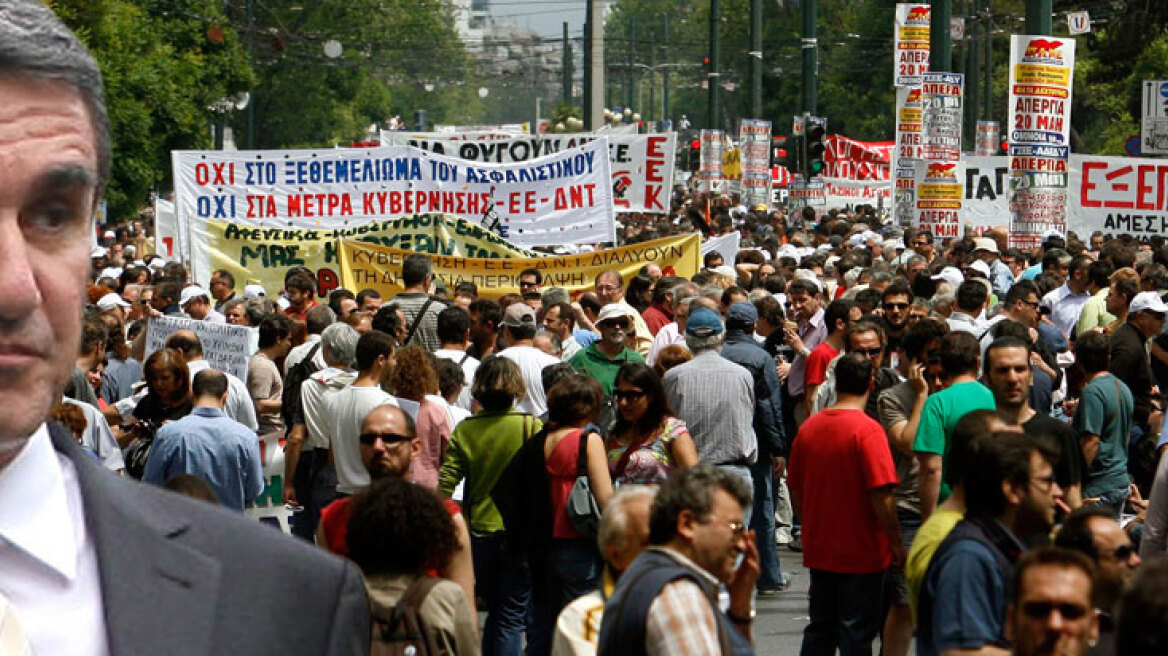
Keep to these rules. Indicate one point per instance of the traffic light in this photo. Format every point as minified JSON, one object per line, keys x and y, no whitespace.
{"x":695,"y":155}
{"x":787,"y":153}
{"x":815,"y":149}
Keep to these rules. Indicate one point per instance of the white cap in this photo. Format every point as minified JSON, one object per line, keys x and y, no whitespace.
{"x":985,"y":244}
{"x":615,"y":311}
{"x":893,"y":245}
{"x":808,"y":274}
{"x":111,"y":301}
{"x":109,"y":234}
{"x":1148,"y":302}
{"x":191,"y":293}
{"x":99,"y":252}
{"x":254,"y":291}
{"x":158,"y":264}
{"x":951,"y":275}
{"x":978,"y":265}
{"x":858,"y":240}
{"x":725,"y":270}
{"x":110,"y":272}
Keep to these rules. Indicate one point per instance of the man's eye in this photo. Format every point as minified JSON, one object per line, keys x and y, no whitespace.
{"x":52,"y":218}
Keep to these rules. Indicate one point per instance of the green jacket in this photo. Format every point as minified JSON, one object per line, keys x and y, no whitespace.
{"x":479,"y":450}
{"x":592,"y":362}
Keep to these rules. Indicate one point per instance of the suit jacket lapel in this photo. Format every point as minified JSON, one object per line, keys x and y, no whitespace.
{"x":159,"y":594}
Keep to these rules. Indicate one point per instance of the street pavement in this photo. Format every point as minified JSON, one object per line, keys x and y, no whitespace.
{"x":779,"y":624}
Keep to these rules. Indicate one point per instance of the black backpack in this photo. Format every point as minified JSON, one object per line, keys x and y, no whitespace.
{"x":291,"y":408}
{"x":399,"y":630}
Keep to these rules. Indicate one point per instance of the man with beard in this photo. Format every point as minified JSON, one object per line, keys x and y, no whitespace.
{"x":1051,"y":611}
{"x":604,"y":358}
{"x":896,"y":301}
{"x":1008,"y":373}
{"x":1094,"y":532}
{"x":1011,"y":494}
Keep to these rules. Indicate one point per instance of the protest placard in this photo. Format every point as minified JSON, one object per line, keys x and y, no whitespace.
{"x":754,"y":140}
{"x":910,"y":57}
{"x":1041,"y":76}
{"x":642,"y":164}
{"x":226,"y":347}
{"x":713,"y":149}
{"x":379,"y":267}
{"x":564,"y":198}
{"x":263,"y":255}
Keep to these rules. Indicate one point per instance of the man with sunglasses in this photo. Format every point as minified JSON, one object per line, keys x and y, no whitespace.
{"x":604,"y":358}
{"x":347,"y":408}
{"x":896,"y":300}
{"x":1051,"y":612}
{"x":1010,"y":498}
{"x":1092,"y":531}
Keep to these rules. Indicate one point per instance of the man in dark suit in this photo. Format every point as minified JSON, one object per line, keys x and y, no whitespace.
{"x":91,"y":563}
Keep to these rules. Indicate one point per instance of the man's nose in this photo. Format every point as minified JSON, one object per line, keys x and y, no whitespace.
{"x":17,"y":277}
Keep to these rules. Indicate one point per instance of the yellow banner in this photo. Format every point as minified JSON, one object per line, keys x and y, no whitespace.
{"x":263,"y":255}
{"x":378,"y":267}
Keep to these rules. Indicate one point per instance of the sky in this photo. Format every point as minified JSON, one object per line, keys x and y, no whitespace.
{"x":544,"y":16}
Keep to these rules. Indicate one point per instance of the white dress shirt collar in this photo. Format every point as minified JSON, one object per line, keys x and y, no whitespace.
{"x":34,"y":511}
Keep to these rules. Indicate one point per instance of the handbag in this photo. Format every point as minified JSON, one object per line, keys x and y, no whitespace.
{"x":583,"y":511}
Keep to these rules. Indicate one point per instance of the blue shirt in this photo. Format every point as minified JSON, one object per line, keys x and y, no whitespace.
{"x":214,"y":447}
{"x":584,"y":338}
{"x":969,"y":600}
{"x":1031,"y":273}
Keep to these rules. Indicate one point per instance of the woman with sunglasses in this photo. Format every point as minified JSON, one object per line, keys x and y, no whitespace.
{"x":648,"y":441}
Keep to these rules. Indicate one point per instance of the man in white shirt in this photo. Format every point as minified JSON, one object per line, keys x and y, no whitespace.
{"x":347,"y":407}
{"x":454,"y":334}
{"x":317,"y":319}
{"x":559,"y":319}
{"x":88,"y":561}
{"x":1066,"y":302}
{"x":518,"y":332}
{"x":196,"y":303}
{"x":671,"y":333}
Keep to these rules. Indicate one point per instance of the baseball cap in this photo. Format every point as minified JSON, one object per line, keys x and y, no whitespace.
{"x":1148,"y":302}
{"x":985,"y":244}
{"x":978,"y":265}
{"x":98,"y":252}
{"x":703,"y":322}
{"x":614,"y":311}
{"x":191,"y":293}
{"x":742,"y":311}
{"x":517,"y":315}
{"x":111,"y":301}
{"x":254,"y":291}
{"x":951,"y":275}
{"x":725,"y":270}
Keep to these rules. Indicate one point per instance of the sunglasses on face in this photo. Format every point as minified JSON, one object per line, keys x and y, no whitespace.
{"x":627,"y":395}
{"x":1124,"y":552}
{"x":623,"y":325}
{"x":368,"y":439}
{"x":1040,"y":610}
{"x":896,"y":306}
{"x":525,"y":285}
{"x":870,"y":353}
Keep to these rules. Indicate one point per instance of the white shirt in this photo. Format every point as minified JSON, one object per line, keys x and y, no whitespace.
{"x":48,"y":562}
{"x":313,"y":398}
{"x":469,"y":367}
{"x":300,"y":352}
{"x":346,"y":410}
{"x":667,"y":336}
{"x":531,"y":362}
{"x":239,"y":404}
{"x":1065,"y":307}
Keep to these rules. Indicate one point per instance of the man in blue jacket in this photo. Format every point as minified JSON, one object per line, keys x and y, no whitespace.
{"x":741,"y":349}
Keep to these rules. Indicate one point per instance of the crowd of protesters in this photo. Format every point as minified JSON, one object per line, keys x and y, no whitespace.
{"x":963,"y":439}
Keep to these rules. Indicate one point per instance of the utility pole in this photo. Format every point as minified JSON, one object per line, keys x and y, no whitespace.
{"x":594,"y":65}
{"x":251,"y":136}
{"x":973,"y":83}
{"x":714,"y":76}
{"x":665,"y":71}
{"x":810,"y":57}
{"x":755,"y":58}
{"x":940,"y":46}
{"x":629,"y":61}
{"x":1038,"y":17}
{"x":652,"y":108}
{"x":988,"y":73}
{"x":566,"y":66}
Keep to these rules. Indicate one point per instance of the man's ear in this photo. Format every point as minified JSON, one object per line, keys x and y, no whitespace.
{"x":687,"y":523}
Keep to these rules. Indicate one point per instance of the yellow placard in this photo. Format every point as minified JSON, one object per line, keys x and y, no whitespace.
{"x":365,"y":265}
{"x":263,"y":255}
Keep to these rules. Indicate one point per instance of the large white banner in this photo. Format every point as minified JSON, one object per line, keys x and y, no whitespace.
{"x":1041,"y":83}
{"x":642,"y":164}
{"x":910,"y":58}
{"x":565,"y":198}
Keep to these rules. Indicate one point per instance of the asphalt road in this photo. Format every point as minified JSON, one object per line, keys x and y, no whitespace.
{"x":779,"y":624}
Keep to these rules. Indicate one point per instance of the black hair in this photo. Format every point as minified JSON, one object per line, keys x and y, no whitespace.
{"x":273,"y":328}
{"x":641,"y":376}
{"x":1003,"y":457}
{"x":838,"y":310}
{"x":1093,"y":352}
{"x":415,"y":268}
{"x":573,"y":401}
{"x":971,"y":296}
{"x":1075,"y":533}
{"x":335,"y":298}
{"x":453,"y":324}
{"x":959,"y":353}
{"x":209,"y":382}
{"x":853,"y":374}
{"x":488,"y":310}
{"x":399,"y":527}
{"x":370,"y":346}
{"x":919,"y":335}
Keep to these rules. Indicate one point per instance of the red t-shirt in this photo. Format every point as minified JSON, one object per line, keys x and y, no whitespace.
{"x":335,"y":521}
{"x":817,"y":362}
{"x":561,"y":470}
{"x":840,"y":456}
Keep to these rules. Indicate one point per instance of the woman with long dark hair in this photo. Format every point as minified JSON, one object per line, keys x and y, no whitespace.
{"x":648,"y":441}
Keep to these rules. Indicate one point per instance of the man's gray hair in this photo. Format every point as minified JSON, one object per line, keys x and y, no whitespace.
{"x":36,"y":46}
{"x":712,"y":292}
{"x":614,"y":523}
{"x":698,"y":344}
{"x":693,"y":489}
{"x":554,"y":296}
{"x":339,"y":342}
